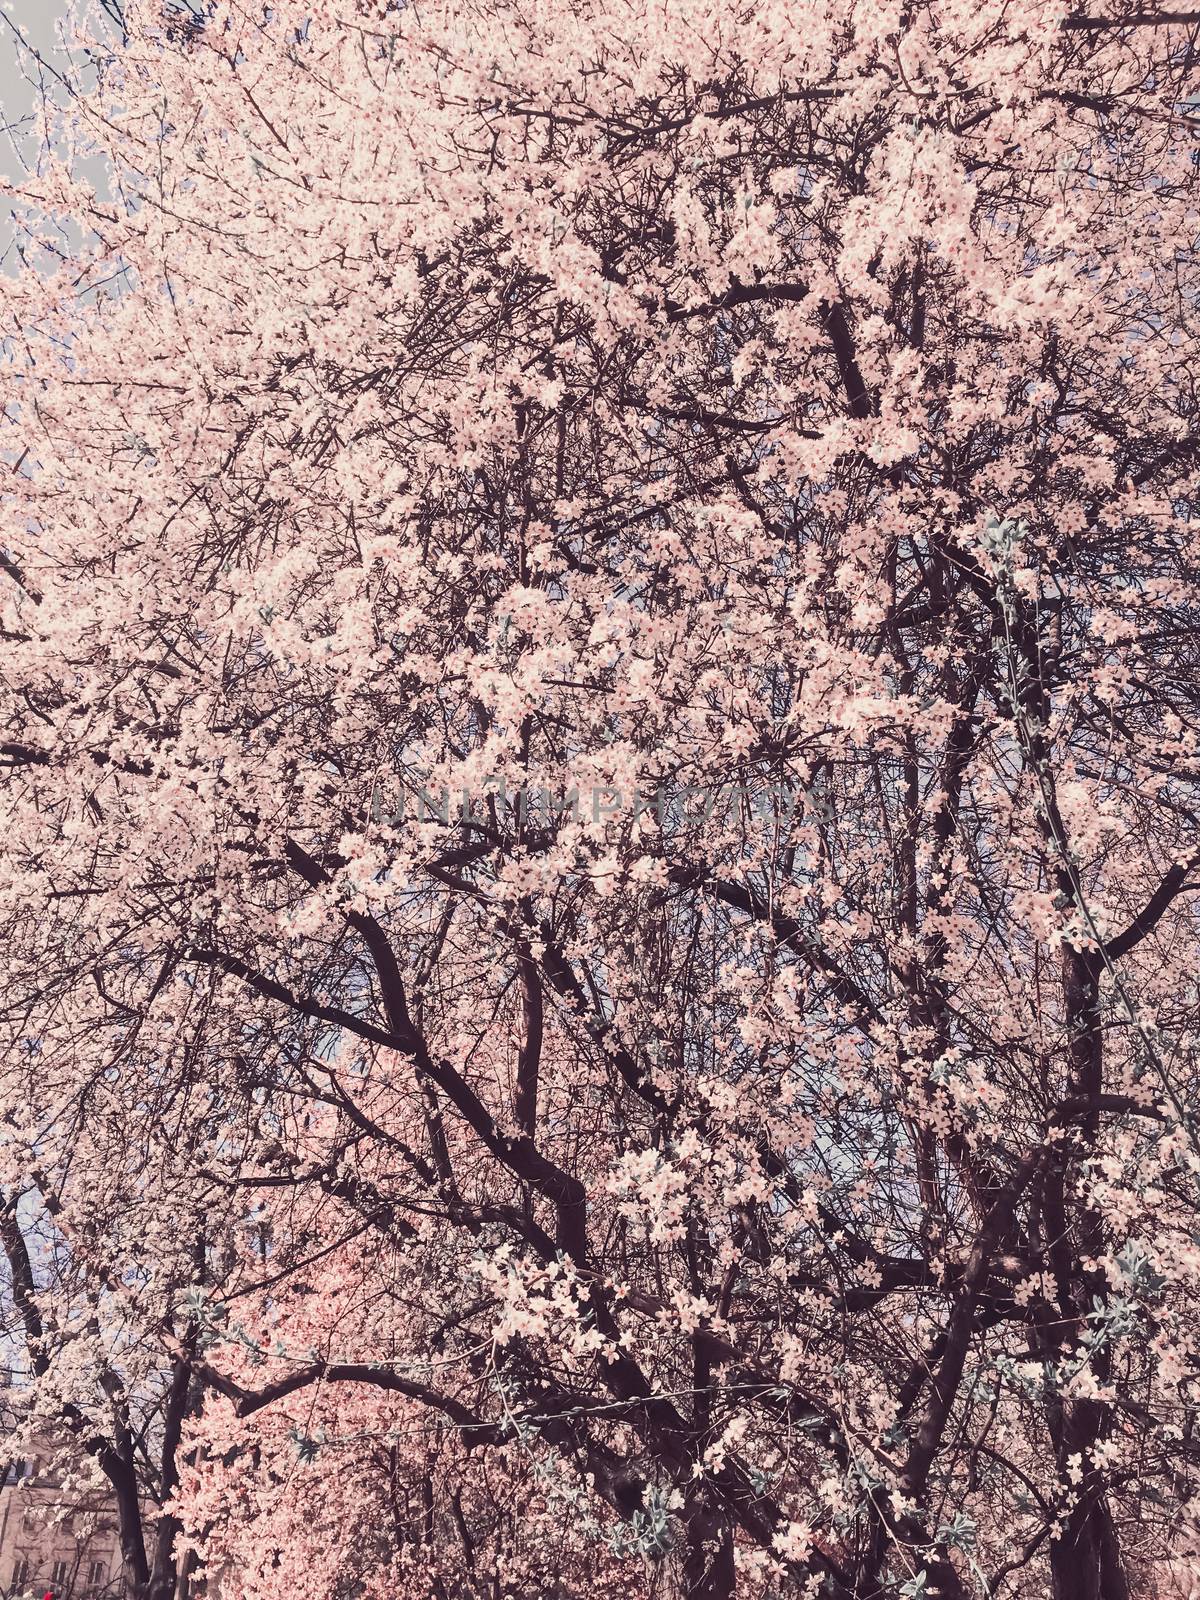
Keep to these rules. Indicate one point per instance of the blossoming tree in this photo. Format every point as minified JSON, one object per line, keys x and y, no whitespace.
{"x":601,"y":706}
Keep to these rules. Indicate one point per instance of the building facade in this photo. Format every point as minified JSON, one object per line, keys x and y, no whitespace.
{"x":55,"y":1541}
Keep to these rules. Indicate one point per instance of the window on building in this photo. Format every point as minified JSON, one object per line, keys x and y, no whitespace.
{"x":96,"y":1575}
{"x":59,"y":1574}
{"x":21,"y":1573}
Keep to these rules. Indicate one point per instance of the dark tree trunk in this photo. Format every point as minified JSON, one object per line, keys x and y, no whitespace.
{"x":1085,"y":1564}
{"x":708,"y":1563}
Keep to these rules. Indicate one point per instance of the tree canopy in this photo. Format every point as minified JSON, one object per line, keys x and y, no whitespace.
{"x":599,"y":705}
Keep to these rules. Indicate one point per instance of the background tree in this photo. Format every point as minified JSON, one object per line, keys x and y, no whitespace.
{"x":784,"y":1182}
{"x":91,"y":1396}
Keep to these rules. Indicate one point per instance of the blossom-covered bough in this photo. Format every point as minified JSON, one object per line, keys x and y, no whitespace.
{"x":600,"y":723}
